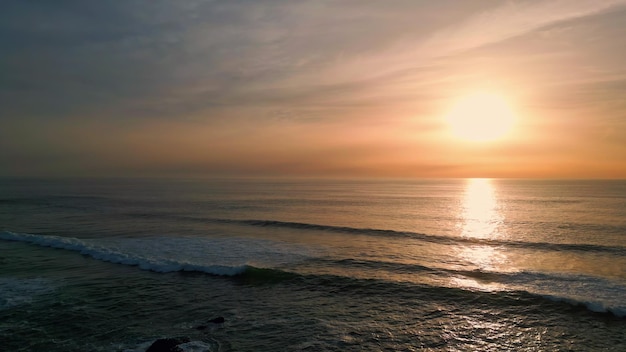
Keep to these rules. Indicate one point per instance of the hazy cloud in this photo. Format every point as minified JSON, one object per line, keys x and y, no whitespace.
{"x":221,"y":66}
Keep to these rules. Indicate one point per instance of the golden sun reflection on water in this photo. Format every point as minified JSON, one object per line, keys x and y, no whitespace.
{"x":480,"y":214}
{"x":481,"y":218}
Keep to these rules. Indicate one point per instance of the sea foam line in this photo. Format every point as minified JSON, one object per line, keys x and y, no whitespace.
{"x":594,"y":306}
{"x":117,"y":257}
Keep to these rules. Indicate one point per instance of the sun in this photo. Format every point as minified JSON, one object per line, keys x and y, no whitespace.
{"x":480,"y":117}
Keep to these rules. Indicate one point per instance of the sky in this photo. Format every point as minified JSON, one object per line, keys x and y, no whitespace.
{"x":310,"y":88}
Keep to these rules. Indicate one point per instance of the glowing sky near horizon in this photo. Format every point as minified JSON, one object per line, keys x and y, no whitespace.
{"x":310,"y":88}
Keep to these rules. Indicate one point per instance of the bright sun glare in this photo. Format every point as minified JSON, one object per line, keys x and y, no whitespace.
{"x":481,"y":116}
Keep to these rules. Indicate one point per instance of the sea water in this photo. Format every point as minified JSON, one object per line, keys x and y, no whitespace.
{"x":313,"y":265}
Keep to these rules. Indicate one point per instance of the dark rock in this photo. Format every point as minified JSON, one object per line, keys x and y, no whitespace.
{"x":167,"y":345}
{"x":201,"y":327}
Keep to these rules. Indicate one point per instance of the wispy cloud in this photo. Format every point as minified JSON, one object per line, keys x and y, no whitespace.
{"x":512,"y":18}
{"x":206,"y":69}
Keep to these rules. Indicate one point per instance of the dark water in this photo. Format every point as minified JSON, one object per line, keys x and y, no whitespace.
{"x":435,"y":265}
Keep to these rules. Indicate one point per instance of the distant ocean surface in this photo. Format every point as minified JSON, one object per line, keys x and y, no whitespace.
{"x":313,"y":265}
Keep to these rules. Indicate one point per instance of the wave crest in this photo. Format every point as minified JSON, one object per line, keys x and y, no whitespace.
{"x":127,"y":254}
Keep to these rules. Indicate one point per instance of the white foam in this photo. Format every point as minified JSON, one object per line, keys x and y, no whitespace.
{"x":196,"y":346}
{"x":17,"y":291}
{"x":597,"y":294}
{"x":216,"y":256}
{"x":594,"y":306}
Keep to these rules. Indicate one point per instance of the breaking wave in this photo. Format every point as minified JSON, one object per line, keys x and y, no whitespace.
{"x":223,"y":257}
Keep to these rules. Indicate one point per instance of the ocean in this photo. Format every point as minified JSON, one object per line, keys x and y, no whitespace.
{"x":313,"y":265}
